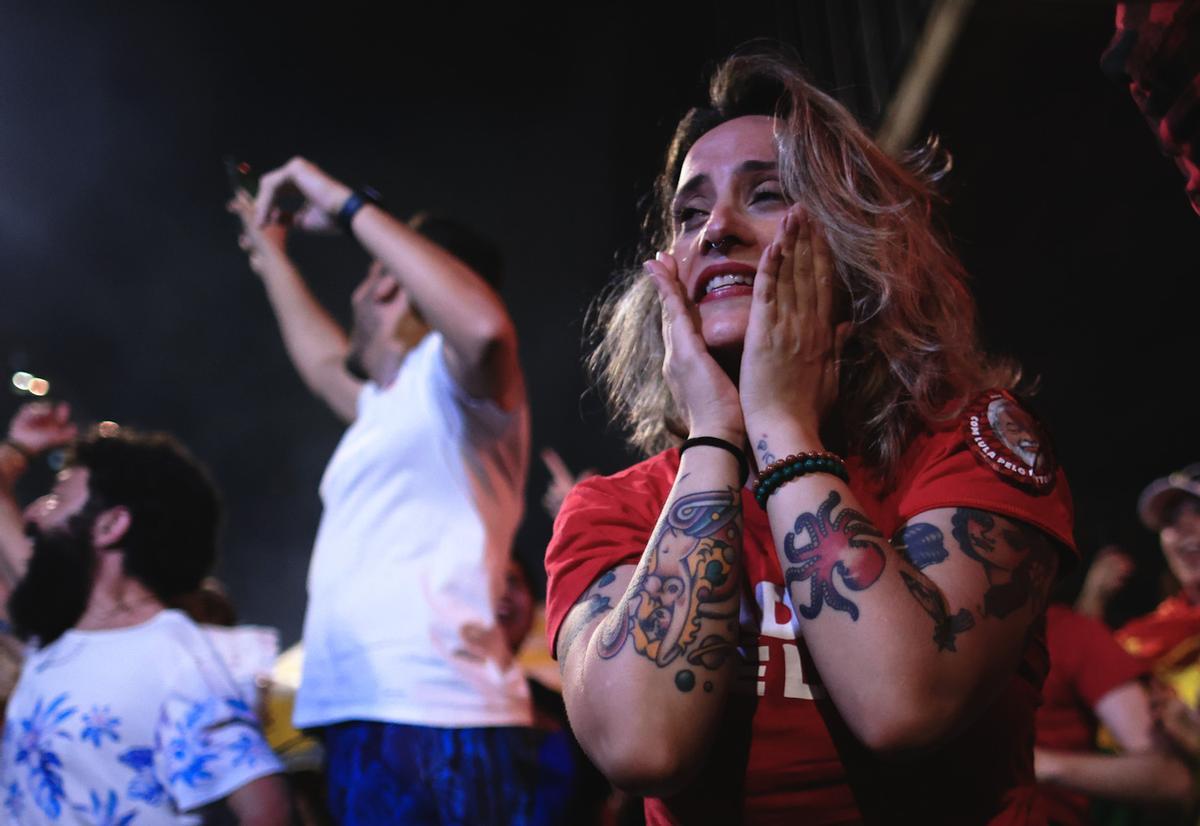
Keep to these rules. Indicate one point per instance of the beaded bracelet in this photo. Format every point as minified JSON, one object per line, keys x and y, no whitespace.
{"x":784,"y":470}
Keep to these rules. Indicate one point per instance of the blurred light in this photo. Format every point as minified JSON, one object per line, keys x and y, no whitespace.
{"x":21,"y":380}
{"x":39,"y":387}
{"x":108,"y":429}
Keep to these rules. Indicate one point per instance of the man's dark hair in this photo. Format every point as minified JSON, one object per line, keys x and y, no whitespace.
{"x":476,"y":251}
{"x":174,"y":507}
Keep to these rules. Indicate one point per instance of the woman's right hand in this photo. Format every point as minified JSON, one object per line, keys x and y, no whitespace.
{"x":707,"y":398}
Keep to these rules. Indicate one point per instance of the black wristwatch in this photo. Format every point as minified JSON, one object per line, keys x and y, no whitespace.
{"x":358,"y":199}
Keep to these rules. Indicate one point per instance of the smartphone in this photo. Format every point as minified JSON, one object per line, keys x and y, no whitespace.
{"x":240,"y":176}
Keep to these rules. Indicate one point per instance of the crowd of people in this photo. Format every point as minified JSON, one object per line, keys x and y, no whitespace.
{"x":826,"y":595}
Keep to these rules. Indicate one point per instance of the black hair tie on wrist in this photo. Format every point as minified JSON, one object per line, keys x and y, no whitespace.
{"x":713,"y":441}
{"x":358,"y":199}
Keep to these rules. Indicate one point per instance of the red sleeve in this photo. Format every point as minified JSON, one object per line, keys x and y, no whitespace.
{"x":604,"y":522}
{"x":1103,"y":665}
{"x":944,"y":469}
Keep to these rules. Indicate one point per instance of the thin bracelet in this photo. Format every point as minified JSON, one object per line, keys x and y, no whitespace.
{"x":713,"y":441}
{"x":784,"y":470}
{"x":26,"y":454}
{"x":358,"y":199}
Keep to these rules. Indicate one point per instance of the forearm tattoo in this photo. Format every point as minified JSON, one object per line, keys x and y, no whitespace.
{"x":689,"y":575}
{"x":820,"y":546}
{"x":1017,"y":560}
{"x":766,"y":457}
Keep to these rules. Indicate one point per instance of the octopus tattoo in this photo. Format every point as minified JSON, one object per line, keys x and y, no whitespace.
{"x":820,"y":546}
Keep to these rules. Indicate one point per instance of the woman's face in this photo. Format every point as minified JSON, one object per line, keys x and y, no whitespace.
{"x":726,"y":209}
{"x":1180,"y":539}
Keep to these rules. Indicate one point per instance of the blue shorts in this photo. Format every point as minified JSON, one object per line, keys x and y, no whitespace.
{"x":391,"y":773}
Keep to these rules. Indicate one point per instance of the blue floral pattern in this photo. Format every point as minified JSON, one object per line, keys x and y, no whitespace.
{"x":98,"y":725}
{"x":248,"y":750}
{"x":144,"y":786}
{"x":191,"y":748}
{"x":35,"y":750}
{"x":85,"y":744}
{"x":14,"y":800}
{"x":103,"y":810}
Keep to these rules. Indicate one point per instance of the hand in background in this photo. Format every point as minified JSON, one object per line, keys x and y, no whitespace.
{"x":1109,"y":571}
{"x":1178,"y":722}
{"x":263,"y":244}
{"x":322,"y":195}
{"x":41,"y":426}
{"x":561,"y":480}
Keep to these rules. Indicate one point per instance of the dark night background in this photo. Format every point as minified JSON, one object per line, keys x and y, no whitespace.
{"x":123,"y":283}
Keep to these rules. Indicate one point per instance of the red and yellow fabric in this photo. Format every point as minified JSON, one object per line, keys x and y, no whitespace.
{"x":1168,"y":643}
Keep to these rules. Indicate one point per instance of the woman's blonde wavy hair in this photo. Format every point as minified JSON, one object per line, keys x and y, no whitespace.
{"x":913,"y":357}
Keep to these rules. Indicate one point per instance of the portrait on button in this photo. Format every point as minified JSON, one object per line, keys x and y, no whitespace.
{"x":1019,"y":431}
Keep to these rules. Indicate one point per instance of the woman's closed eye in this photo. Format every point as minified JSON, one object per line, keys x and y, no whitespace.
{"x":689,"y":217}
{"x":767,"y":196}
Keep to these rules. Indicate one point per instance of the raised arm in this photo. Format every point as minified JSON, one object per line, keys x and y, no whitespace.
{"x":480,"y":340}
{"x":908,"y":654}
{"x":315,"y":343}
{"x":36,"y":428}
{"x":647,"y":654}
{"x":1108,"y":573}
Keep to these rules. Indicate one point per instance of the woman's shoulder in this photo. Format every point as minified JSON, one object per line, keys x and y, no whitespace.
{"x":999,"y":430}
{"x":992,"y":453}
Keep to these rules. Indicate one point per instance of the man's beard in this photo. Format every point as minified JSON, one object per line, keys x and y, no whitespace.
{"x":54,"y":592}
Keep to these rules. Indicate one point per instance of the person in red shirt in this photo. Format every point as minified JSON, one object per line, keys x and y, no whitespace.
{"x":771,"y":664}
{"x":1092,"y":680}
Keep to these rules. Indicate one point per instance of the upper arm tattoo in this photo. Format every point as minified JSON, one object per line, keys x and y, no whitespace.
{"x":1017,"y":560}
{"x":595,"y":603}
{"x":820,"y":546}
{"x":946,"y":627}
{"x":921,"y":544}
{"x":688,"y":575}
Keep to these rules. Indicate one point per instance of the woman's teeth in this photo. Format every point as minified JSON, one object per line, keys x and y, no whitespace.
{"x":729,"y":280}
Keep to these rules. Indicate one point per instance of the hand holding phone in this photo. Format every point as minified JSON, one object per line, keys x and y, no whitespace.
{"x":241,"y":178}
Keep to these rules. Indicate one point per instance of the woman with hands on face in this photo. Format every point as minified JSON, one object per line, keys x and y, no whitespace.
{"x":830,"y":560}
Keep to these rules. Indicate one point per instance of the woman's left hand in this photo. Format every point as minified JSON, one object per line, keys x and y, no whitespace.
{"x":789,"y":370}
